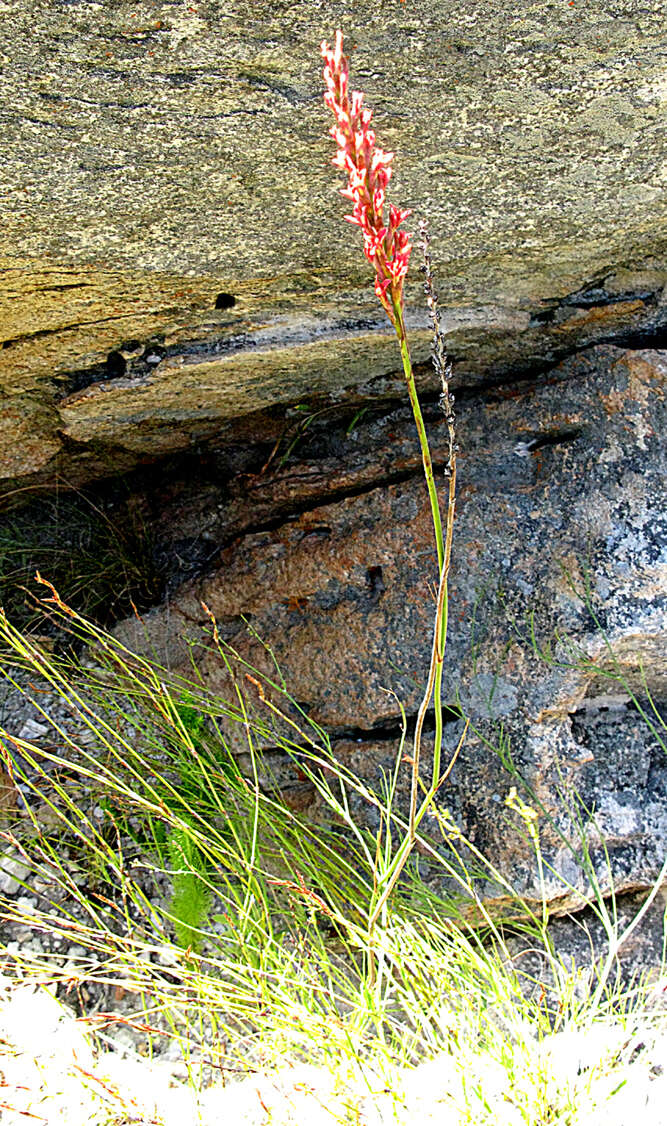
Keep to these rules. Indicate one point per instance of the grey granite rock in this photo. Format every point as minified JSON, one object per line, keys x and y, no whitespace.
{"x":586,"y":500}
{"x":172,"y":251}
{"x":560,"y":489}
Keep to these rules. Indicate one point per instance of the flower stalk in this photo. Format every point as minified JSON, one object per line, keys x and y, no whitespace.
{"x":388,"y":248}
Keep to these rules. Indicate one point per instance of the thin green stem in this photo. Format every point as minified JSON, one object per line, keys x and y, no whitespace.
{"x":438,"y":733}
{"x":444,"y":549}
{"x":399,"y":325}
{"x":434,"y":684}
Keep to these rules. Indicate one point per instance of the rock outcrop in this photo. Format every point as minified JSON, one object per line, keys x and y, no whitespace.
{"x":172,"y":252}
{"x":180,"y":296}
{"x":557,"y":621}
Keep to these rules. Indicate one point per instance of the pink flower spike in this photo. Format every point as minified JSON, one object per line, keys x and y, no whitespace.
{"x":369,"y":171}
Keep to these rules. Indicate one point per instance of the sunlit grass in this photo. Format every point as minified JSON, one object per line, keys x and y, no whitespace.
{"x":284,"y":957}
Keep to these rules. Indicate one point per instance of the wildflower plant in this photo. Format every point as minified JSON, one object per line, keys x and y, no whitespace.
{"x":388,"y":248}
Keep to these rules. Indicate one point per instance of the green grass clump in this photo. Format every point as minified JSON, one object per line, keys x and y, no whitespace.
{"x":250,"y":935}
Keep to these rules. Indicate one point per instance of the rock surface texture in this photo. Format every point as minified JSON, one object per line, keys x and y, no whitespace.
{"x":172,"y":255}
{"x":559,"y":535}
{"x":180,"y":300}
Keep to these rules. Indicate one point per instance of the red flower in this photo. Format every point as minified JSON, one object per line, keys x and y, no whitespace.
{"x":368,"y":170}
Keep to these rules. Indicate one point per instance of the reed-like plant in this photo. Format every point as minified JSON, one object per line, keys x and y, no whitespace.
{"x":388,"y":249}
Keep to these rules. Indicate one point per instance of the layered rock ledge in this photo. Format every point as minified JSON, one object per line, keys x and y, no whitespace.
{"x":172,"y":254}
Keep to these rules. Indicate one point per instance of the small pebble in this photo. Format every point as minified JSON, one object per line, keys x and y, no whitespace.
{"x":13,"y":874}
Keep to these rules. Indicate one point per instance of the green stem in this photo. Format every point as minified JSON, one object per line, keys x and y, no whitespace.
{"x":437,"y":737}
{"x":434,"y":685}
{"x":399,"y":325}
{"x":443,"y":546}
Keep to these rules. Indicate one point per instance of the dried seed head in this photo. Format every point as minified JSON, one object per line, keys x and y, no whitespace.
{"x":439,"y":354}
